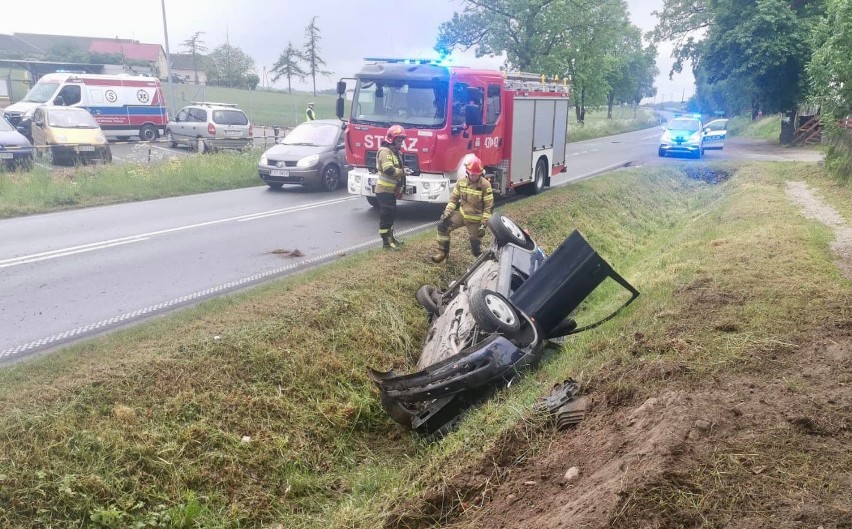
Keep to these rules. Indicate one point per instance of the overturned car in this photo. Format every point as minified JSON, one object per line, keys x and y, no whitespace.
{"x":492,"y":323}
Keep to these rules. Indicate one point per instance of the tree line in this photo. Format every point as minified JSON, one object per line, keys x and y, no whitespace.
{"x":590,"y":41}
{"x":766,"y":56}
{"x":228,"y":65}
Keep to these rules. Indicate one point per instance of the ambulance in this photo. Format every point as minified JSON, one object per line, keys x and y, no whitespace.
{"x":122,"y":105}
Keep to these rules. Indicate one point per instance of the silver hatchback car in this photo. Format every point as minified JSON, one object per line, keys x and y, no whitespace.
{"x":206,"y":126}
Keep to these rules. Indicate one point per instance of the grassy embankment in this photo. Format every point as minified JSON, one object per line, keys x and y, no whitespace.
{"x":767,"y":127}
{"x":597,"y":125}
{"x":42,"y":190}
{"x":256,"y":408}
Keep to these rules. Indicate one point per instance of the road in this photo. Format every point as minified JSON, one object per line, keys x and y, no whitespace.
{"x":70,"y":275}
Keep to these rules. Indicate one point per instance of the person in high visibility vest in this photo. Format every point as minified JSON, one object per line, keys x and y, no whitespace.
{"x":390,"y":184}
{"x":309,"y":112}
{"x":470,"y":206}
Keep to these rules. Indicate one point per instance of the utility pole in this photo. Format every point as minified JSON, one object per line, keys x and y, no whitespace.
{"x":168,"y":62}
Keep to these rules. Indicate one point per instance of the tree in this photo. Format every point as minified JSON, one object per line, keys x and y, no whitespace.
{"x":830,"y":77}
{"x":288,"y":65}
{"x":527,"y":31}
{"x":311,"y":52}
{"x":684,"y":22}
{"x":228,"y":65}
{"x":195,"y":46}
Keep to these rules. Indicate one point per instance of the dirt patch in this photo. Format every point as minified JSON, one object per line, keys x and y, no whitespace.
{"x":814,"y":208}
{"x":765,"y":448}
{"x":707,"y":174}
{"x":287,"y":253}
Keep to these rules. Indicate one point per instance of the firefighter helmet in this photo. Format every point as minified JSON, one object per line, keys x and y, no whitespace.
{"x":474,"y":166}
{"x":395,"y":131}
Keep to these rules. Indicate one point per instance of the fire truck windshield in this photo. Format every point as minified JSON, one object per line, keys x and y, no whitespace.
{"x":405,"y":102}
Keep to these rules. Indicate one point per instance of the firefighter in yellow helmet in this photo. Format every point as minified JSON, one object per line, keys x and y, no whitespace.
{"x":391,"y":182}
{"x":469,"y":206}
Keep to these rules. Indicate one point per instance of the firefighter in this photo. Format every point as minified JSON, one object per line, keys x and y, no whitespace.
{"x":309,"y":112}
{"x":469,"y":206}
{"x":391,"y":182}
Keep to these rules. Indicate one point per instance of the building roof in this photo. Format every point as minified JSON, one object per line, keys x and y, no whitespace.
{"x":184,"y":61}
{"x":134,"y":51}
{"x":12,"y":44}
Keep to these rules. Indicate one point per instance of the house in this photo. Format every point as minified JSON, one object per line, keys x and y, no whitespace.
{"x":183,"y":66}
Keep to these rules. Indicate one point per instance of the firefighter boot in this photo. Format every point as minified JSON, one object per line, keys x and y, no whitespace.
{"x":442,"y":252}
{"x":476,"y":247}
{"x":387,"y":242}
{"x":394,"y":239}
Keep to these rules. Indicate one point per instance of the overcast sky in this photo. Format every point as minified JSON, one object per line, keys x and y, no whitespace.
{"x":351,"y":30}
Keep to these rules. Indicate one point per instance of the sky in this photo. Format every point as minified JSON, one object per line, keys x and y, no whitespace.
{"x":350,"y":30}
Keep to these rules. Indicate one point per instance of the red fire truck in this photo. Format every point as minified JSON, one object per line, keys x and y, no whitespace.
{"x":516,"y":124}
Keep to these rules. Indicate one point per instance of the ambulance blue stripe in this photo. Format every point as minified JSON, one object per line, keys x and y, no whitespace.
{"x":131,"y":110}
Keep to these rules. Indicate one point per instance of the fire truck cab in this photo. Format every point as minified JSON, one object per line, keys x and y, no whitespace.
{"x":517,"y":125}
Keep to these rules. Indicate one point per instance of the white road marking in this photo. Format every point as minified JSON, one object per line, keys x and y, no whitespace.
{"x":15,"y":261}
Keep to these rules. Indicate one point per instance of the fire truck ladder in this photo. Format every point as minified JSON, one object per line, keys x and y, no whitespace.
{"x":536,"y":83}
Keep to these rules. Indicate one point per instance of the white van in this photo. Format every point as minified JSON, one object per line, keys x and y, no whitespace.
{"x":123,"y":105}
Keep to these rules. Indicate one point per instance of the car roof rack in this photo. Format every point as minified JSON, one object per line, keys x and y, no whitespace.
{"x":212,"y":104}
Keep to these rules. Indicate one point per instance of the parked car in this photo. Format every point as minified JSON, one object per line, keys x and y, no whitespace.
{"x":312,"y":154}
{"x":68,"y":135}
{"x":492,"y":323}
{"x":682,"y":135}
{"x":16,"y":151}
{"x":206,"y":126}
{"x":714,"y":134}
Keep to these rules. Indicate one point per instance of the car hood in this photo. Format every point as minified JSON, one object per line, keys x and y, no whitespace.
{"x":679,"y":133}
{"x":294,"y":152}
{"x":22,"y":107}
{"x":13,"y":138}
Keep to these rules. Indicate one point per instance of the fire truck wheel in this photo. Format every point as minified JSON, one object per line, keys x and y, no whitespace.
{"x":537,"y":185}
{"x":373,"y":202}
{"x":507,"y":232}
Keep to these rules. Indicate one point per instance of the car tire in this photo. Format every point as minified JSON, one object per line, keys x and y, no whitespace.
{"x":537,"y":185}
{"x":107,"y":156}
{"x":661,"y":153}
{"x":148,"y":132}
{"x":429,"y":298}
{"x":330,"y":177}
{"x":494,"y":313}
{"x":172,"y":142}
{"x":507,"y":232}
{"x":373,"y":201}
{"x":201,"y":146}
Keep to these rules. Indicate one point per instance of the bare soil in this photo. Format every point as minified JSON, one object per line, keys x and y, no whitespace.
{"x":764,"y":445}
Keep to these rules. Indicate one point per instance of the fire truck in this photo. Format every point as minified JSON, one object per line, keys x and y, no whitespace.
{"x":515,"y":123}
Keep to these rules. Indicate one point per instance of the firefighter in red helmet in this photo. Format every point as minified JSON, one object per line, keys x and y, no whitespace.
{"x":390,"y":184}
{"x":469,"y":206}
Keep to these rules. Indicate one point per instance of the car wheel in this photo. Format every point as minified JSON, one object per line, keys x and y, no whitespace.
{"x":537,"y":185}
{"x":148,"y":132}
{"x":26,"y":164}
{"x":661,"y":153}
{"x":107,"y":156}
{"x":493,"y":312}
{"x":172,"y":142}
{"x":373,"y":201}
{"x":275,"y":186}
{"x":429,"y":298}
{"x":330,"y":178}
{"x":200,"y":146}
{"x":507,"y":232}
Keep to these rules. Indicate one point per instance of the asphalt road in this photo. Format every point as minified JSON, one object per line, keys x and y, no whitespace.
{"x":69,"y":275}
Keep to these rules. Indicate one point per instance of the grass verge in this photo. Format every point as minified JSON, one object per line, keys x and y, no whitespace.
{"x":624,"y":119}
{"x":767,"y":127}
{"x":255,"y":410}
{"x":42,"y":190}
